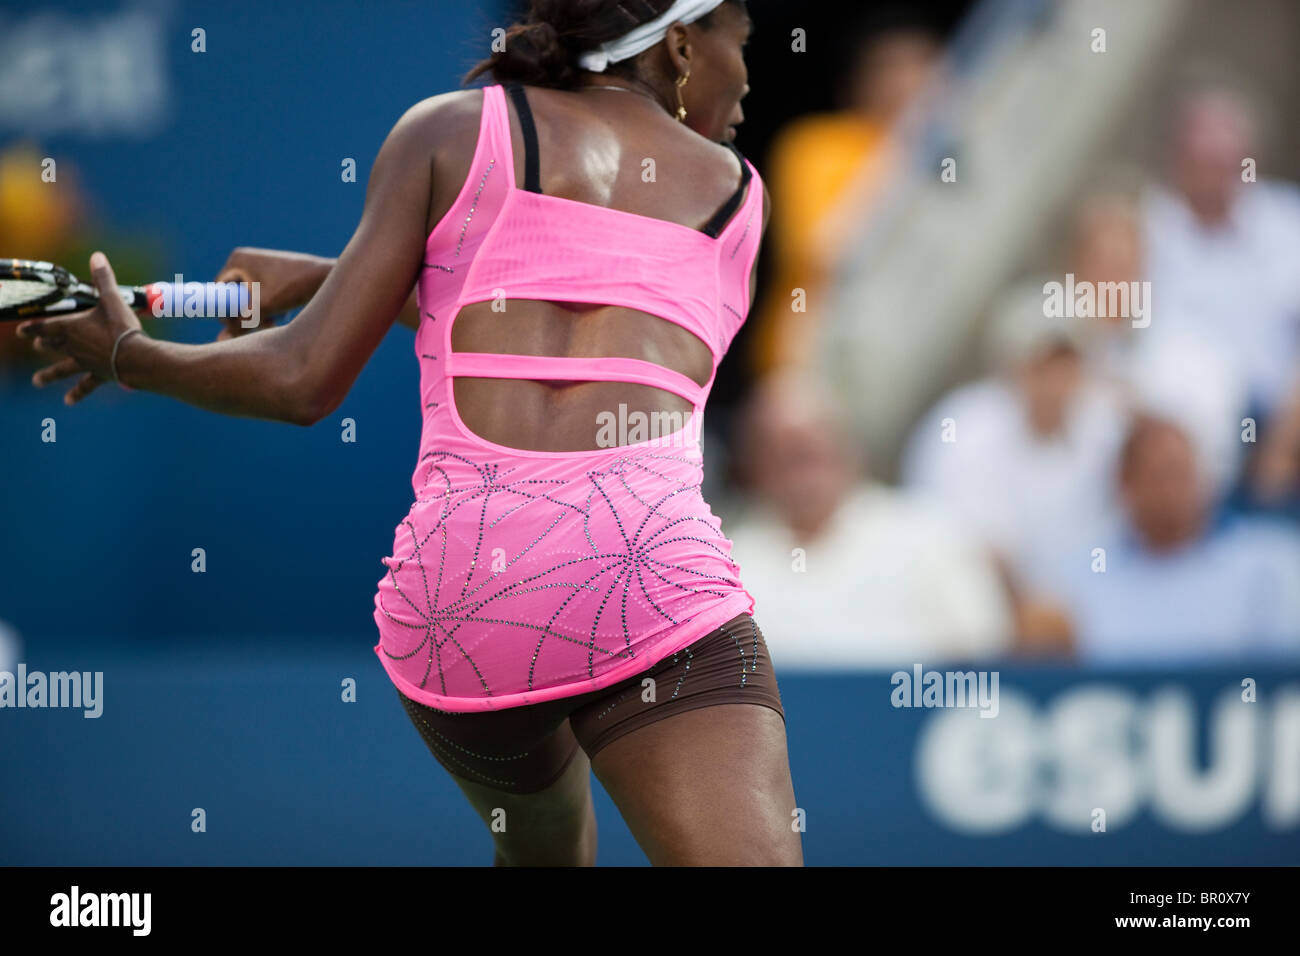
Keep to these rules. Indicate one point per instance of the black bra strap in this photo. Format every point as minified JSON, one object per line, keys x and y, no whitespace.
{"x":723,"y":215}
{"x":532,"y":178}
{"x":532,"y":175}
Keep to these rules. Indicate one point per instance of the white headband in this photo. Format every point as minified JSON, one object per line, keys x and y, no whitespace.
{"x":646,"y":35}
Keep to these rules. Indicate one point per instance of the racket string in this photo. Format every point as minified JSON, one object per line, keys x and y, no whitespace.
{"x":16,"y":292}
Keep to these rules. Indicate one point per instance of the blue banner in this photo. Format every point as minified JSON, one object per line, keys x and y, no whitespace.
{"x":1158,"y":768}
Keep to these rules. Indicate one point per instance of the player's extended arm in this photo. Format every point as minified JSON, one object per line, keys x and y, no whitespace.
{"x":299,"y":372}
{"x":287,"y":281}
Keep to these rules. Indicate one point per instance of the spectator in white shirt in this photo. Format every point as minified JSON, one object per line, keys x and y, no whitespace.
{"x":1175,"y":587}
{"x":1159,"y":359}
{"x":1026,"y":456}
{"x":847,"y":573}
{"x":1223,"y":243}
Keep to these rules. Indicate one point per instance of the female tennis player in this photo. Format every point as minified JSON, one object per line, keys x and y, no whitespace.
{"x":581,"y":239}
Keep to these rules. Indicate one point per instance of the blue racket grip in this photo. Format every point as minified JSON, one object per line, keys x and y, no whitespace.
{"x":194,"y":300}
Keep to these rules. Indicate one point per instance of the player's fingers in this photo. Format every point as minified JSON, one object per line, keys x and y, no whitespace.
{"x":52,"y":343}
{"x":52,"y":373}
{"x":88,"y":383}
{"x":233,"y":274}
{"x":47,"y":332}
{"x":231,"y":329}
{"x":110,"y":304}
{"x":102,"y":272}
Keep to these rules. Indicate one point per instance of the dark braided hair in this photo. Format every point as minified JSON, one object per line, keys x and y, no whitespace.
{"x":543,"y":50}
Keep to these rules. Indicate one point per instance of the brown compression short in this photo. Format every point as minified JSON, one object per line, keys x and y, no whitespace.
{"x":526,"y":749}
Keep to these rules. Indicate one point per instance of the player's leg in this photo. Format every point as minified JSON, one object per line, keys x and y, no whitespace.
{"x":552,"y":827}
{"x":707,"y":787}
{"x":694,"y":754}
{"x":525,"y":776}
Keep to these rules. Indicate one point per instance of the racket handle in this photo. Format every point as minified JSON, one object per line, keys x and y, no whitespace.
{"x":209,"y":300}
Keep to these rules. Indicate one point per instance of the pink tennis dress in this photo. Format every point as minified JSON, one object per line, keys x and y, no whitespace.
{"x":519,"y":576}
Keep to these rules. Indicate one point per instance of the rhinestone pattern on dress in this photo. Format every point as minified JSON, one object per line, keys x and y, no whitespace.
{"x":474,"y":207}
{"x":640,"y":531}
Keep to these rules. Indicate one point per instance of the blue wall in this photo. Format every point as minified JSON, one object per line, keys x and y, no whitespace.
{"x":287,"y":773}
{"x":98,"y":527}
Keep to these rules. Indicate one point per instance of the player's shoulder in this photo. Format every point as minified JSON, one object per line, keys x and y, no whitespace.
{"x":442,"y":130}
{"x":441,"y":117}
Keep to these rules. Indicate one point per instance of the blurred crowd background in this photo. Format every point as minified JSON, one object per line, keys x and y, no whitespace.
{"x":930,"y":462}
{"x":917,"y":460}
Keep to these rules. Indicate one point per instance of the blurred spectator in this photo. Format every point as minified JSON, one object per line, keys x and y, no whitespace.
{"x":1275,"y":480}
{"x":1157,"y":359}
{"x":1025,"y":456}
{"x":1177,"y":587}
{"x":846,"y":572}
{"x":1105,"y":246}
{"x":1223,"y":250}
{"x":824,"y":171}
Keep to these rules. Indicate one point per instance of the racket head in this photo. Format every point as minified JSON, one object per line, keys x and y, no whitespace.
{"x":31,"y":289}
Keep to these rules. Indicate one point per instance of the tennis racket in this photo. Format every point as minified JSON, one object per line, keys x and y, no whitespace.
{"x":32,"y":290}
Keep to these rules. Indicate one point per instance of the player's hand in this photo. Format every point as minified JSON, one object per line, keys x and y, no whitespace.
{"x":83,"y":341}
{"x":271,"y":274}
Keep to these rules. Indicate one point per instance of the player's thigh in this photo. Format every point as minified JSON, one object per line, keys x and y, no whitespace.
{"x":523,"y":773}
{"x":555,"y":826}
{"x":708,"y":786}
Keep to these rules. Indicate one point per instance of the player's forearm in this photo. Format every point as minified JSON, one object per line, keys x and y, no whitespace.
{"x":254,"y":376}
{"x":289,"y":279}
{"x":303,"y":275}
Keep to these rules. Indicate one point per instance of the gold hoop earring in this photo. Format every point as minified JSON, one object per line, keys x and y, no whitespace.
{"x":681,"y":107}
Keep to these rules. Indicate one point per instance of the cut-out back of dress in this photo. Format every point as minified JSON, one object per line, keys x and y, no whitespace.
{"x":520,"y":575}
